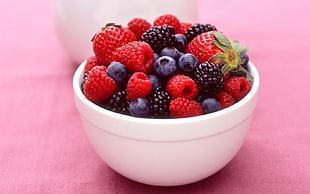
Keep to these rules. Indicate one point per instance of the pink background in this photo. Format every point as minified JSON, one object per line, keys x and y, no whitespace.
{"x":43,"y":148}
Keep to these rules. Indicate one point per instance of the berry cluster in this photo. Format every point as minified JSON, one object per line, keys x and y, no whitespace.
{"x":168,"y":69}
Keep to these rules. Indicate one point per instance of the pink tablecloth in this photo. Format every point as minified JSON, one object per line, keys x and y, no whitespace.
{"x":43,"y":148}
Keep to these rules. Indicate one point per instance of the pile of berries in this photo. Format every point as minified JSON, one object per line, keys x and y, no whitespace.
{"x":168,"y":69}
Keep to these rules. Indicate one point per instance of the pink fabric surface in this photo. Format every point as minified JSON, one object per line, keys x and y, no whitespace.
{"x":43,"y":148}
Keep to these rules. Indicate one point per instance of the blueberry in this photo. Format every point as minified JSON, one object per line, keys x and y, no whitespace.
{"x":188,"y":62}
{"x":200,"y":97}
{"x":118,"y":72}
{"x":181,"y":42}
{"x":246,"y":59}
{"x":140,"y":107}
{"x":155,"y":82}
{"x":156,"y":56}
{"x":165,"y":66}
{"x":210,"y":105}
{"x":171,"y":52}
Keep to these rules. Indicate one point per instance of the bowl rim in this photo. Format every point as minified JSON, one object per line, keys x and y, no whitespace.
{"x":77,"y":80}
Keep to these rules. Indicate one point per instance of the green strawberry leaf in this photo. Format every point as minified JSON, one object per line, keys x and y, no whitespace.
{"x":218,"y":56}
{"x":221,"y":46}
{"x":241,"y":71}
{"x":239,"y":47}
{"x":222,"y":39}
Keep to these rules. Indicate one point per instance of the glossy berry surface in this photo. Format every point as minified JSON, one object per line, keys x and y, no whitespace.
{"x":180,"y":42}
{"x":171,"y":52}
{"x":209,"y":78}
{"x":210,"y":105}
{"x":182,"y":107}
{"x":237,"y":87}
{"x":159,"y":37}
{"x":138,"y":86}
{"x":198,"y":29}
{"x":156,"y":83}
{"x":98,"y":86}
{"x":225,"y":99}
{"x":182,"y":86}
{"x":136,"y":56}
{"x":168,"y":19}
{"x":138,"y":26}
{"x":118,"y":72}
{"x":118,"y":102}
{"x":165,"y":66}
{"x":140,"y":107}
{"x":109,"y":39}
{"x":160,"y":102}
{"x":245,"y":58}
{"x":188,"y":62}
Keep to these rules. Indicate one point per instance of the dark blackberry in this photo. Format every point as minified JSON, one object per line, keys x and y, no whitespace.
{"x":160,"y":100}
{"x":197,"y":29}
{"x":118,"y":102}
{"x":84,"y":78}
{"x":159,"y":37}
{"x":209,"y":78}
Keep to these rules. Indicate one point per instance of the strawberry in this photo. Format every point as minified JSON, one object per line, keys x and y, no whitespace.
{"x":108,"y":39}
{"x":136,"y":56}
{"x":170,"y":20}
{"x":216,"y":47}
{"x":138,"y":26}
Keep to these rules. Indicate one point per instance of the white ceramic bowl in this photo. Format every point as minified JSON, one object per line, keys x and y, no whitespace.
{"x":166,"y":152}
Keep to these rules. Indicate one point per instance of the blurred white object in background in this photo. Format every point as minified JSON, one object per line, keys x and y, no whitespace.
{"x":78,"y":20}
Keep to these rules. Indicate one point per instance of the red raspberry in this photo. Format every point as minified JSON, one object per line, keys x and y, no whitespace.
{"x":237,"y":87}
{"x":184,"y":27}
{"x":182,"y":107}
{"x":136,"y":56}
{"x":182,"y":86}
{"x":170,"y":20}
{"x":90,"y":63}
{"x":138,"y":26}
{"x":138,"y":86}
{"x":108,"y":39}
{"x":225,"y":99}
{"x":98,"y":86}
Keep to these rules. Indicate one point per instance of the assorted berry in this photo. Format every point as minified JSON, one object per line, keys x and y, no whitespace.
{"x":138,"y":86}
{"x":159,"y":37}
{"x":182,"y":86}
{"x":118,"y":72}
{"x":165,"y":66}
{"x":188,"y":63}
{"x":118,"y":102}
{"x":98,"y":86}
{"x":198,"y":29}
{"x":109,"y":39}
{"x":210,"y":105}
{"x":209,"y":78}
{"x":138,"y":26}
{"x":183,"y":107}
{"x":165,"y":69}
{"x":160,"y":103}
{"x":136,"y":56}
